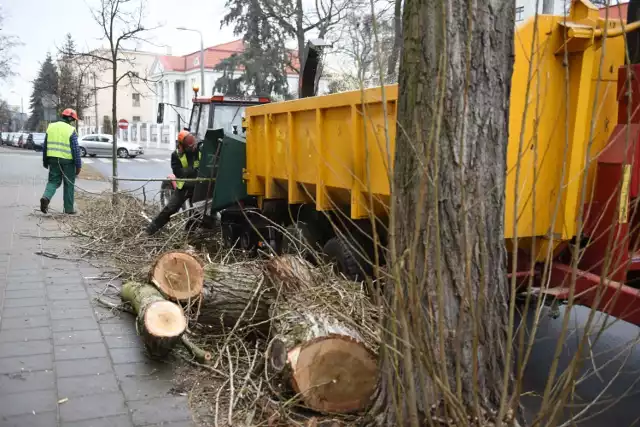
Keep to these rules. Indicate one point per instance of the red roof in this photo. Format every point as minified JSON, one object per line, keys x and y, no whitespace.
{"x":212,"y":56}
{"x":616,"y":11}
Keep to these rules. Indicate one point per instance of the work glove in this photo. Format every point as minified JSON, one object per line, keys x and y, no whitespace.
{"x":78,"y":171}
{"x":190,"y":173}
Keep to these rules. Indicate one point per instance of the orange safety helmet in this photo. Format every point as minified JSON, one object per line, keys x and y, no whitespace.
{"x":186,"y":139}
{"x":70,"y":112}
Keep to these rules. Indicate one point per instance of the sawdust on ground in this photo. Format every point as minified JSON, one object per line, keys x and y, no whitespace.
{"x":91,"y":173}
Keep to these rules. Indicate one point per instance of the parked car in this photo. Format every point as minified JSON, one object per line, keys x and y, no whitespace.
{"x":35,"y":141}
{"x":102,"y":145}
{"x":22,"y":139}
{"x":12,"y":139}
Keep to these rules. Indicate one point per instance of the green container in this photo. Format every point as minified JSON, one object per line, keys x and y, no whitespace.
{"x":229,"y":187}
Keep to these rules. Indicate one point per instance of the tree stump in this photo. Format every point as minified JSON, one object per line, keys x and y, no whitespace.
{"x":178,"y":275}
{"x":159,"y":322}
{"x":235,"y":294}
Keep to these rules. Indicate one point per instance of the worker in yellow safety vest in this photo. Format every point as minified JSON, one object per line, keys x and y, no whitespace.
{"x":185,"y":161}
{"x":60,"y":154}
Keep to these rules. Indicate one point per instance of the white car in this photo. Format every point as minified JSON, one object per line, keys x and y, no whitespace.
{"x":102,"y":145}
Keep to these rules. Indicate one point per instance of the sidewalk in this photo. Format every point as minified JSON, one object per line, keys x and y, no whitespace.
{"x":64,"y":361}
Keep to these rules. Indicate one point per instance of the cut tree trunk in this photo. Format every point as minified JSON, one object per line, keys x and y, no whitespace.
{"x":313,"y":353}
{"x":178,"y":275}
{"x":235,"y":296}
{"x":446,"y":305}
{"x":324,"y":361}
{"x":160,"y":323}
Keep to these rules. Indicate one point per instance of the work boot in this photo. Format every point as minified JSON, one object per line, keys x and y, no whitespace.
{"x":71,"y":213}
{"x":151,"y":229}
{"x":44,"y":205}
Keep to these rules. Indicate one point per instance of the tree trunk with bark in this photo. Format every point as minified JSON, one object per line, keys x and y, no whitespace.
{"x":114,"y":120}
{"x":448,"y":300}
{"x":397,"y":42}
{"x":235,"y":294}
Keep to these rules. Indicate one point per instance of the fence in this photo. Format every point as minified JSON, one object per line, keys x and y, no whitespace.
{"x":149,"y":135}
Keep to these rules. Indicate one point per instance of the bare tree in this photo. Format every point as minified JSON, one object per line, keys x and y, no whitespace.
{"x":392,"y":61}
{"x":5,"y":114}
{"x":121,"y":21}
{"x":447,"y":304}
{"x":7,"y":44}
{"x":367,"y":43}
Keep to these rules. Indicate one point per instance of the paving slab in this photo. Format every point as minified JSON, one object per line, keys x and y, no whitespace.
{"x":63,"y":361}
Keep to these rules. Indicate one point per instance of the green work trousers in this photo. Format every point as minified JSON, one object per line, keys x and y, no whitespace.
{"x":61,"y":170}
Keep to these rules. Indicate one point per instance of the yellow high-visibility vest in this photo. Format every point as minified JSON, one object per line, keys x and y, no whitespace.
{"x":58,"y":140}
{"x":185,"y":164}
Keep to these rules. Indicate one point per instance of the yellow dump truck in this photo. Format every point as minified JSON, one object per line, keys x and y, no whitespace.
{"x":320,"y":166}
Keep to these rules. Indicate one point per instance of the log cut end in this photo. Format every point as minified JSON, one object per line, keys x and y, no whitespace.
{"x":334,"y":374}
{"x":178,"y":275}
{"x":164,"y":319}
{"x":160,"y":325}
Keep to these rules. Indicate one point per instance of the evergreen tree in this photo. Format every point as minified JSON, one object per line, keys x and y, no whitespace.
{"x":7,"y":44}
{"x":45,"y":87}
{"x":68,"y":85}
{"x":262,"y":63}
{"x":267,"y":24}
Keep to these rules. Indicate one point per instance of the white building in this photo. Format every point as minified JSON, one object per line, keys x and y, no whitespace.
{"x":135,"y":95}
{"x":177,"y":75}
{"x":527,"y":8}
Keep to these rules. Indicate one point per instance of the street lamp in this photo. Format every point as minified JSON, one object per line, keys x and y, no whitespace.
{"x":201,"y":56}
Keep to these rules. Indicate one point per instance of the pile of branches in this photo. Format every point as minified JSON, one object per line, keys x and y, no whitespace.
{"x":277,"y":335}
{"x":276,"y":341}
{"x":115,"y":229}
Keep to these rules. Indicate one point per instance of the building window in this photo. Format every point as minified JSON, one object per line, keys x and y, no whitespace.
{"x":136,"y":99}
{"x":519,"y":13}
{"x":136,"y":119}
{"x":135,"y":77}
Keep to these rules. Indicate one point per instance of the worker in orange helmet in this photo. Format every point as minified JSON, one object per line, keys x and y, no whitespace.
{"x":60,"y":154}
{"x":185,"y":161}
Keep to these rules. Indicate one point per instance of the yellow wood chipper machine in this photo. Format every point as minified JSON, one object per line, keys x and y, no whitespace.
{"x":318,"y":167}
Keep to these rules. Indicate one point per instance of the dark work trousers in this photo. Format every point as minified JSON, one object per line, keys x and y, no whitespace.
{"x":175,"y":203}
{"x":61,"y":171}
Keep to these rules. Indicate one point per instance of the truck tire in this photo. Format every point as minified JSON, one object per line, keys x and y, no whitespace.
{"x":343,"y":256}
{"x":300,"y":236}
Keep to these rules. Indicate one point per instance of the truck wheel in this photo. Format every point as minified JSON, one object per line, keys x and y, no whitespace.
{"x":248,"y":240}
{"x":300,"y":238}
{"x":228,"y":235}
{"x":343,"y":256}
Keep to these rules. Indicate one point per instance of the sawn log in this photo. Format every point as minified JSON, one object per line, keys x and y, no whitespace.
{"x":321,"y":357}
{"x":235,"y":296}
{"x":159,"y":322}
{"x":178,"y":275}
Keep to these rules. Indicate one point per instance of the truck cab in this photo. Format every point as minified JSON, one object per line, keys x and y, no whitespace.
{"x":220,"y":112}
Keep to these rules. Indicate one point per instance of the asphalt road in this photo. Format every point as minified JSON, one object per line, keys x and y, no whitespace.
{"x":152,"y":164}
{"x":612,"y":369}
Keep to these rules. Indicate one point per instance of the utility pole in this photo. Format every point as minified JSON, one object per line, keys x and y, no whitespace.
{"x":547,"y":7}
{"x":95,"y":102}
{"x":202,"y":90}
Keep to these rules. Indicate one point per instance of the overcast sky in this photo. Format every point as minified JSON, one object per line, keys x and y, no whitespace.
{"x":42,"y":25}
